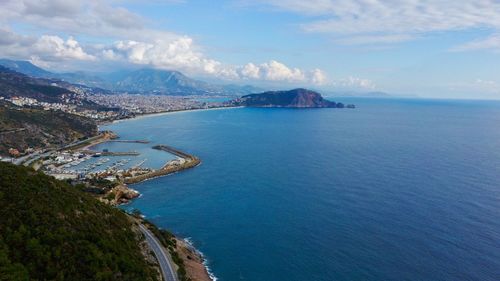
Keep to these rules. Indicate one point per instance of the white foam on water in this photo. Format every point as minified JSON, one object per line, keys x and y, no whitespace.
{"x":189,"y":242}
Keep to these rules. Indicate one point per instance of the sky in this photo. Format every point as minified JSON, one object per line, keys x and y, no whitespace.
{"x":433,"y":48}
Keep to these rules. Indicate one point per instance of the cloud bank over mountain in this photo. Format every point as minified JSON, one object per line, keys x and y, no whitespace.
{"x":397,"y":46}
{"x":132,"y":42}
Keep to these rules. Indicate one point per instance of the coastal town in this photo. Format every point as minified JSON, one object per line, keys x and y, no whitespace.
{"x":53,"y":129}
{"x":64,"y":107}
{"x":137,"y":104}
{"x":109,"y":108}
{"x":117,"y":106}
{"x":239,"y":140}
{"x":105,"y":173}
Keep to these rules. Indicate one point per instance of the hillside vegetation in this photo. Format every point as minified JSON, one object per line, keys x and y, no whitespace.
{"x":50,"y":230}
{"x":21,"y":128}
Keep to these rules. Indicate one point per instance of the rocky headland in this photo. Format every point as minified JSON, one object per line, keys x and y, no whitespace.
{"x":297,"y":98}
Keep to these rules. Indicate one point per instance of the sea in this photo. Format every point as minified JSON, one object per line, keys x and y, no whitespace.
{"x":396,"y":189}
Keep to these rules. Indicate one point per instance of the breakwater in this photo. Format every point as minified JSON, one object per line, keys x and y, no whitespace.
{"x":172,"y":150}
{"x":185,"y":161}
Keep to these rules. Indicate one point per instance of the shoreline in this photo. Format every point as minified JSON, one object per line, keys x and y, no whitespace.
{"x":160,"y":113}
{"x":190,"y":245}
{"x":195,"y":263}
{"x":201,"y":268}
{"x":123,"y":194}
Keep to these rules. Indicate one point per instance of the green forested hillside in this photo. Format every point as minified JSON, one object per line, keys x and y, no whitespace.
{"x":52,"y":231}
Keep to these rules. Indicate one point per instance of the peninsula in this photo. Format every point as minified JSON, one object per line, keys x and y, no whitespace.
{"x":296,"y":98}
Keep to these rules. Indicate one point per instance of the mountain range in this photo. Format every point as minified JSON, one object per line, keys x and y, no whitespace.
{"x":146,"y":80}
{"x":15,"y":84}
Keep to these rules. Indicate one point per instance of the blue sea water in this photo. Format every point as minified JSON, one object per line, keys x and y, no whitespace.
{"x":392,"y":190}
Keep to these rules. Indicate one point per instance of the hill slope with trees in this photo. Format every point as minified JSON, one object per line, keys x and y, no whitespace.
{"x":50,"y":230}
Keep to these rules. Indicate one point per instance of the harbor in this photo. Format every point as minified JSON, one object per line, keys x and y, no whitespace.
{"x":108,"y":164}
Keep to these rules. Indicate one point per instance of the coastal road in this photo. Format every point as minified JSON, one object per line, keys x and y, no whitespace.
{"x":161,"y":255}
{"x":89,"y":140}
{"x":30,"y":158}
{"x":36,"y":157}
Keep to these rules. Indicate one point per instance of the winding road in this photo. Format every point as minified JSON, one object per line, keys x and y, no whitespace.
{"x":160,"y":253}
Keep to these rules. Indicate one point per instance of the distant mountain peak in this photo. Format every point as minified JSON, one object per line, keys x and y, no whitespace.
{"x":144,"y":80}
{"x":26,"y":67}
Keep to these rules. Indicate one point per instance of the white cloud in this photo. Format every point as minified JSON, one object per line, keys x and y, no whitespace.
{"x":394,"y":16}
{"x":92,"y":18}
{"x":355,"y":83}
{"x":44,"y":48}
{"x":8,"y":38}
{"x":486,"y":82}
{"x":478,"y":87}
{"x":109,"y":54}
{"x":135,"y":43}
{"x":390,"y":21}
{"x":276,"y":71}
{"x":177,"y":54}
{"x":251,"y":71}
{"x":181,"y":54}
{"x":118,"y":17}
{"x":51,"y":8}
{"x":54,"y":47}
{"x":318,"y":77}
{"x":490,"y":43}
{"x":374,"y":39}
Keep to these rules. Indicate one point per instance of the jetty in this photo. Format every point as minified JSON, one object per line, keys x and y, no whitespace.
{"x":139,"y":164}
{"x":124,"y":153}
{"x":131,"y":141}
{"x":110,"y":153}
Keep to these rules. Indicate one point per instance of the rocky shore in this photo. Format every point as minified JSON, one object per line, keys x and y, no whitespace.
{"x":194,"y":261}
{"x":190,"y":262}
{"x":120,"y":194}
{"x":187,"y":261}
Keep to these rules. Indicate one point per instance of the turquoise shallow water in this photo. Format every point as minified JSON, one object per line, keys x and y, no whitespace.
{"x":393,"y":190}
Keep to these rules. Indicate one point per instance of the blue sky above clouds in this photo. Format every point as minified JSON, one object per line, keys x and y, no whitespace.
{"x":428,"y":48}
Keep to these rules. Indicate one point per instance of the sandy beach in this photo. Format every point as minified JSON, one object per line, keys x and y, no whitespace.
{"x":148,"y":115}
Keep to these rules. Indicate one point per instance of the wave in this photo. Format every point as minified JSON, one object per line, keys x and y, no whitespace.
{"x":190,"y":244}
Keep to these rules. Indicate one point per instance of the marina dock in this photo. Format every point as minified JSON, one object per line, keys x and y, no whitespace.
{"x":131,"y":141}
{"x":110,"y":153}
